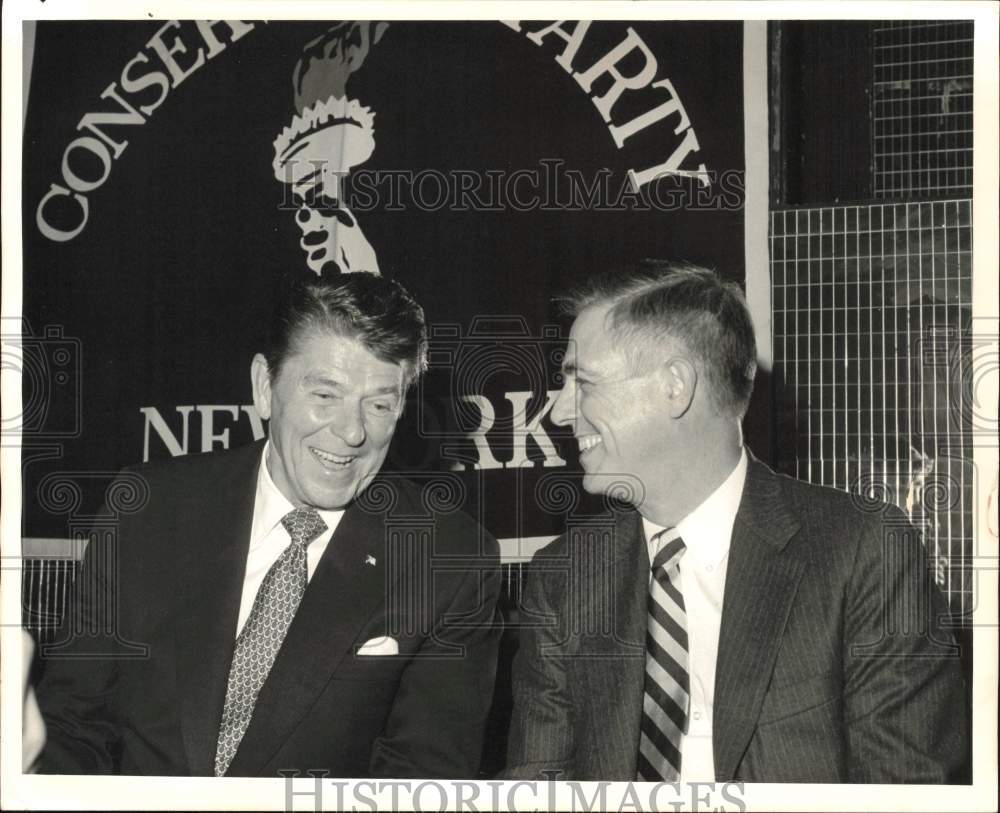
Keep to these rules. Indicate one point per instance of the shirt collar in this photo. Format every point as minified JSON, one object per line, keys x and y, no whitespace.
{"x":708,"y":529}
{"x":270,"y":505}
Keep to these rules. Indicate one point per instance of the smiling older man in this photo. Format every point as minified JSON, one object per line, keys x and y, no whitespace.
{"x":271,"y":611}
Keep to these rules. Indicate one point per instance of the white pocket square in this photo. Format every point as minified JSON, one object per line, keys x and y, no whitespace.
{"x":385,"y":645}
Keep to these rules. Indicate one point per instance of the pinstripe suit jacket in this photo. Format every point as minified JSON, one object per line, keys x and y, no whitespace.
{"x":832,"y":665}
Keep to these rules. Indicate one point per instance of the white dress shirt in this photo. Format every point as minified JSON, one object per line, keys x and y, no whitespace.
{"x":268,"y":537}
{"x":706,"y":532}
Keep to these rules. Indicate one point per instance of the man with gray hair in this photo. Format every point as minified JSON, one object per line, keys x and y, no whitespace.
{"x":737,"y":625}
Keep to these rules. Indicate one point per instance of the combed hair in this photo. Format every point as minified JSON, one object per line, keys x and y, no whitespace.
{"x":375,"y":311}
{"x":656,"y":301}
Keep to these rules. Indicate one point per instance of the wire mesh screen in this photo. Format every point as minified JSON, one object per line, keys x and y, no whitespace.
{"x":871,"y":333}
{"x":922,"y":108}
{"x":46,"y":583}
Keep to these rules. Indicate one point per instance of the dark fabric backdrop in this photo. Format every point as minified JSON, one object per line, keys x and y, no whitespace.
{"x":159,"y":301}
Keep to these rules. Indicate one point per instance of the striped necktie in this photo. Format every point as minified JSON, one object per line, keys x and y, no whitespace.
{"x":264,"y":631}
{"x":666,"y":700}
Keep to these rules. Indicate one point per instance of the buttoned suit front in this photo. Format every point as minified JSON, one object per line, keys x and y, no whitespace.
{"x":834,"y":664}
{"x":145,"y":694}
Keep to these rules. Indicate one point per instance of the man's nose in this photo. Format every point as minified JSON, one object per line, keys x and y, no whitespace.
{"x":563,"y":410}
{"x":351,"y":427}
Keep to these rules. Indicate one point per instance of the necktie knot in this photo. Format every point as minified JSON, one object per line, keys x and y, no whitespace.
{"x":670,"y":549}
{"x":303,"y":525}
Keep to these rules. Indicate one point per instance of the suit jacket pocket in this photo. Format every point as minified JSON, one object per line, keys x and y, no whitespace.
{"x":789,"y":699}
{"x":370,"y":667}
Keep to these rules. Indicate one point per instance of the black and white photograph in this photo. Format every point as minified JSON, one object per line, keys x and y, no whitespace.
{"x":406,"y":406}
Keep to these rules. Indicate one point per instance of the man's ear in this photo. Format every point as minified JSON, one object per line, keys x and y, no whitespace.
{"x":260,"y":380}
{"x":680,"y":380}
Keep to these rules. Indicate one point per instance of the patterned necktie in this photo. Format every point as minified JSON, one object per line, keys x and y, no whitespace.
{"x":265,"y":628}
{"x":666,"y":699}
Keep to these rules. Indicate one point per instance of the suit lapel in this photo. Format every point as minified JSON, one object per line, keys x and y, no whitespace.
{"x":761,"y":582}
{"x":630,"y":588}
{"x":215,"y":538}
{"x":341,"y":597}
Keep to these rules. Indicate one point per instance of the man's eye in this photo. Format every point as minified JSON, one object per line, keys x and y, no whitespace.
{"x":382,"y":407}
{"x":325,"y":396}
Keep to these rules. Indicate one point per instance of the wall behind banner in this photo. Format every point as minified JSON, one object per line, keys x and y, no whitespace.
{"x":498,"y":174}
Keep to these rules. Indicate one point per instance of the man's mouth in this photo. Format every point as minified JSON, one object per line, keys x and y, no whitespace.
{"x":588,"y":442}
{"x":332,"y":461}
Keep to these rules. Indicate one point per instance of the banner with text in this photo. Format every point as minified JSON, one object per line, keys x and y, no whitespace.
{"x":177,"y":174}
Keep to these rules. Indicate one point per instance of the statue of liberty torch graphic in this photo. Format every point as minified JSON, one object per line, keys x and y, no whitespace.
{"x":329,"y":136}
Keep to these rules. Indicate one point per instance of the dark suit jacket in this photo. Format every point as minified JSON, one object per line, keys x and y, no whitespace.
{"x":832,"y":664}
{"x":144,"y":695}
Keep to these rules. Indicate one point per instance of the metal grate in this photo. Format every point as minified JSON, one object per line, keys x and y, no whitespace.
{"x":922,"y":108}
{"x":46,"y":584}
{"x":871,"y":334}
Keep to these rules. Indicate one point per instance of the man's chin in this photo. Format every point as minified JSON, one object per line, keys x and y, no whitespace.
{"x":596,"y":483}
{"x":622,"y":487}
{"x":592,"y":483}
{"x":331,"y":500}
